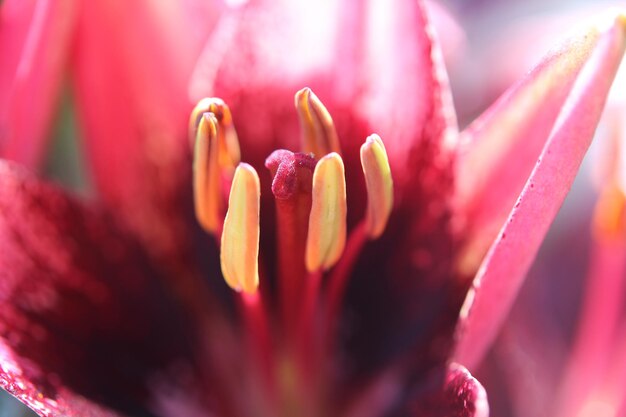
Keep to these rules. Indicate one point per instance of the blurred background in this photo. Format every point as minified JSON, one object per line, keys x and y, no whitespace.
{"x":495,"y":42}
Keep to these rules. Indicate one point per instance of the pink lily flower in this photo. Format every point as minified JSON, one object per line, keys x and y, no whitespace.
{"x":355,"y":297}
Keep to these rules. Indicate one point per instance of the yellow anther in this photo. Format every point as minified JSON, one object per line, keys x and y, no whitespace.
{"x":206,"y":174}
{"x":240,"y":238}
{"x":327,"y":222}
{"x":229,"y":152}
{"x":379,"y":185}
{"x":318,"y":130}
{"x":610,"y":213}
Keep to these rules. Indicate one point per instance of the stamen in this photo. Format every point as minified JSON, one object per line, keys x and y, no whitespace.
{"x":319,"y":136}
{"x":379,"y":185}
{"x":206,"y":175}
{"x":240,"y":237}
{"x":327,"y":222}
{"x":229,"y":152}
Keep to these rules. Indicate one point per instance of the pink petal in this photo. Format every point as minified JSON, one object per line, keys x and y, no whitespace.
{"x":81,"y":309}
{"x":499,"y":150}
{"x":616,"y":378}
{"x":597,"y":347}
{"x":64,"y":404}
{"x":34,"y":39}
{"x":503,"y":270}
{"x":461,"y":396}
{"x":390,"y":70}
{"x":448,"y":30}
{"x":266,"y":43}
{"x":132,"y":65}
{"x":606,"y":397}
{"x":590,"y":360}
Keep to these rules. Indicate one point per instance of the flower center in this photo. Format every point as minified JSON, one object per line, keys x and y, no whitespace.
{"x":315,"y":253}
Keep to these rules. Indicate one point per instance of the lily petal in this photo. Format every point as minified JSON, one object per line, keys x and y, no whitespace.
{"x":390,"y":69}
{"x":511,"y":254}
{"x":132,"y":63}
{"x":499,"y":150}
{"x":591,"y":357}
{"x":65,"y":404}
{"x":81,"y":309}
{"x":34,"y":39}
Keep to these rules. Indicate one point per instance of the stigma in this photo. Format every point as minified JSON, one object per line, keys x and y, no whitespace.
{"x":309,"y":189}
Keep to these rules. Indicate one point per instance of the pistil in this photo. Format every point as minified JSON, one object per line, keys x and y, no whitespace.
{"x":292,"y":175}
